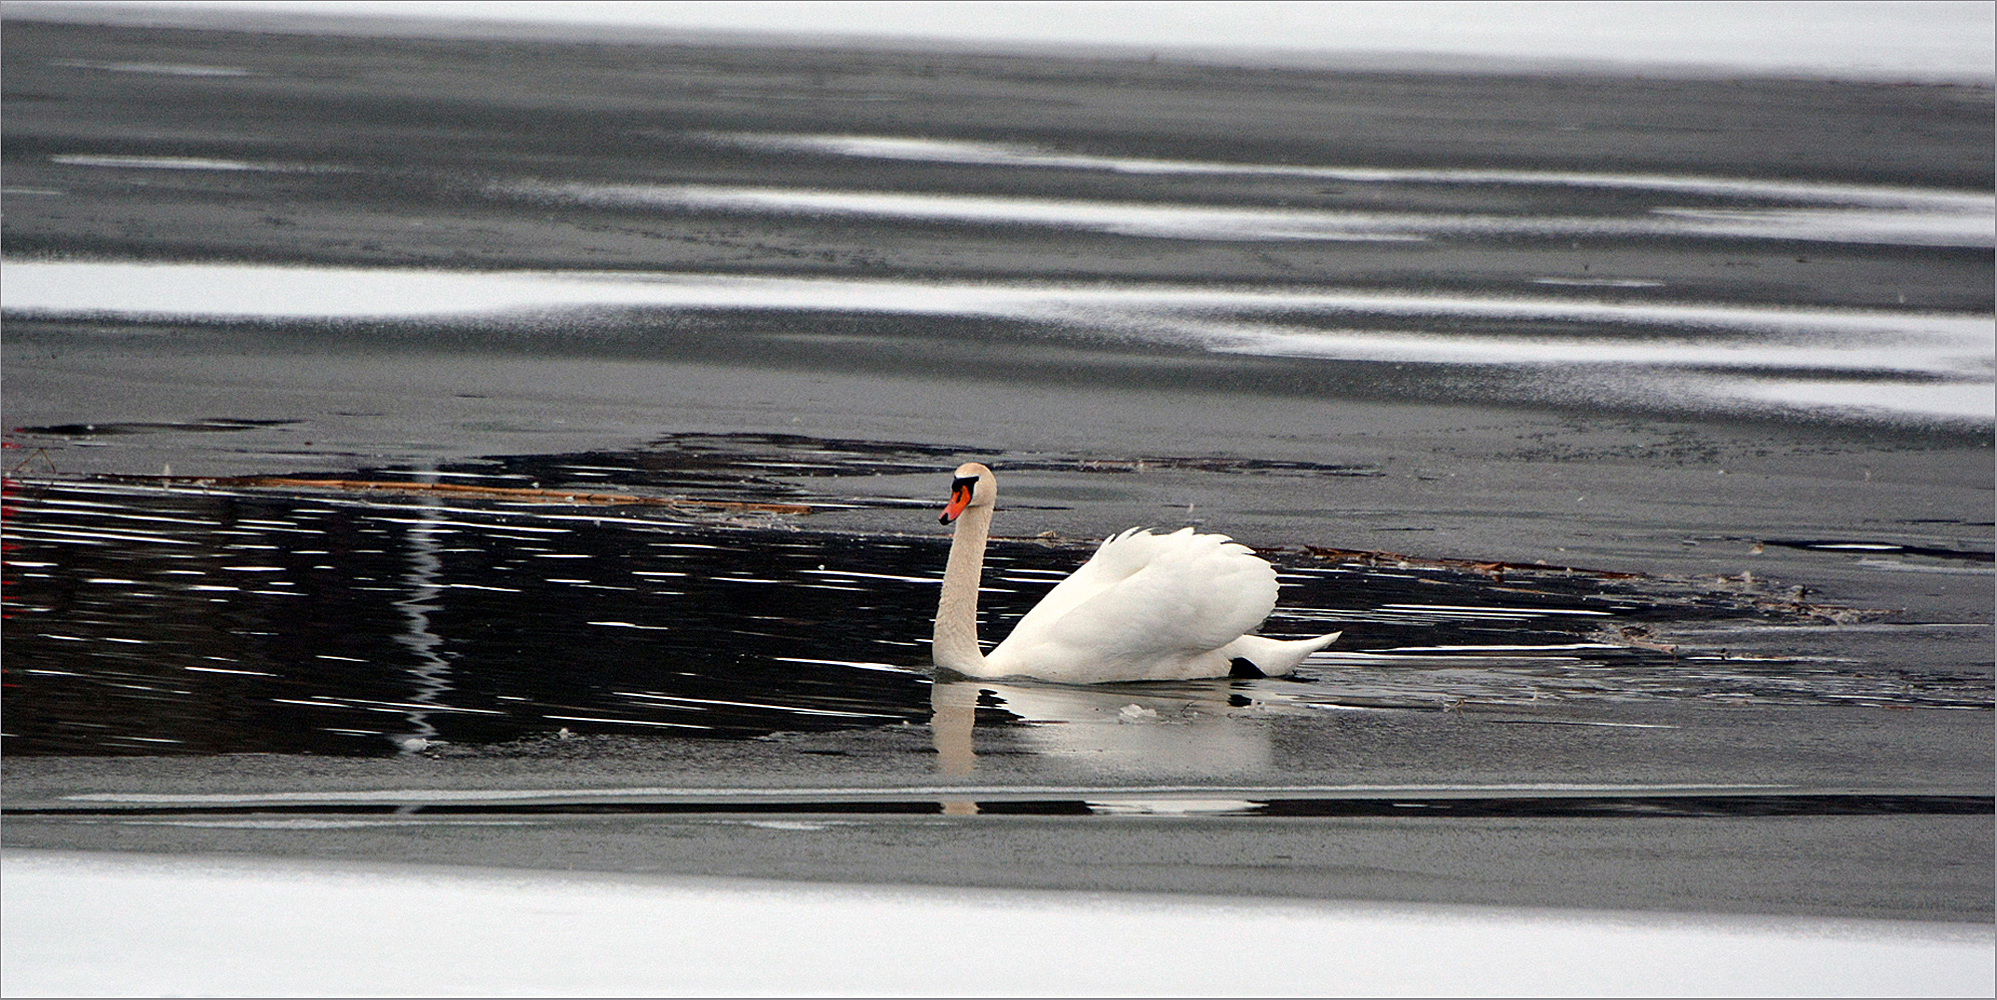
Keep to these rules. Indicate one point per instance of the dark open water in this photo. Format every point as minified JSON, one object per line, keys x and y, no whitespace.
{"x":150,"y":616}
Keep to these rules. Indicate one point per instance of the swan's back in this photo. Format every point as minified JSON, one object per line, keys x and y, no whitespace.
{"x":1144,"y":606}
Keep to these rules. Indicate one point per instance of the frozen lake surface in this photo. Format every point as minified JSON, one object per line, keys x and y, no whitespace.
{"x":522,"y":458}
{"x":1732,"y":359}
{"x":364,"y":930}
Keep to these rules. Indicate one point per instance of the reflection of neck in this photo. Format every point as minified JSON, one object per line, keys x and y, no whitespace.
{"x":954,"y":644}
{"x":953,"y":712}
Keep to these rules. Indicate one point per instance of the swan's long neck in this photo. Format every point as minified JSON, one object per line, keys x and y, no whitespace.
{"x":954,"y":644}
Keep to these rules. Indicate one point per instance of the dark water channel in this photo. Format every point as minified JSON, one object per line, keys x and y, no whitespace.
{"x":150,"y":616}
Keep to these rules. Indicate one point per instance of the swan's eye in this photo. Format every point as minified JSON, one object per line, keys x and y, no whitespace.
{"x":966,"y":487}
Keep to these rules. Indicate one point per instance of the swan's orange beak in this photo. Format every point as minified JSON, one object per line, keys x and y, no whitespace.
{"x":960,"y":498}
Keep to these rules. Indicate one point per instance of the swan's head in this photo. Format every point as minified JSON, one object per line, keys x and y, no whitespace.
{"x":975,"y":486}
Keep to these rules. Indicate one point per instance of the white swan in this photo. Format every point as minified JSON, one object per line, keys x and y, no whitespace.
{"x":1145,"y":607}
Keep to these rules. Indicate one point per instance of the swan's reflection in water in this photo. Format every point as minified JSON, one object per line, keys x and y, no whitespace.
{"x":1182,"y":729}
{"x":953,"y":708}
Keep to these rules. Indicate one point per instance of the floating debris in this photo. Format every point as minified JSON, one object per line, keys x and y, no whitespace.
{"x":509,"y":493}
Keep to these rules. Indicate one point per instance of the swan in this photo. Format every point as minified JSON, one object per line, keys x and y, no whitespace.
{"x":1145,"y":607}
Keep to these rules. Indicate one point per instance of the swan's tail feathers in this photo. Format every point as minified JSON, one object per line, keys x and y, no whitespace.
{"x":1271,"y":657}
{"x":1306,"y":647}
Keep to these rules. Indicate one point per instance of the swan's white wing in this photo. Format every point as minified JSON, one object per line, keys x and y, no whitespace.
{"x":1114,"y":561}
{"x":1145,"y":599}
{"x":1196,"y":593}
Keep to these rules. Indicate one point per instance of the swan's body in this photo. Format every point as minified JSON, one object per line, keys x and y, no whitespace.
{"x":1145,"y":607}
